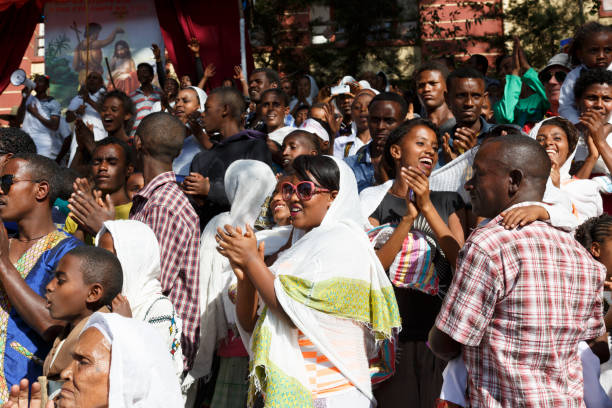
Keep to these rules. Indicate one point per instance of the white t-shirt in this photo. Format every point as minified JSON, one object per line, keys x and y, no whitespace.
{"x":157,"y":106}
{"x":341,"y":142}
{"x":89,"y":116}
{"x":48,"y":142}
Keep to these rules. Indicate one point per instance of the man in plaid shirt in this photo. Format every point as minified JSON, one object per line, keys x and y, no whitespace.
{"x":165,"y":208}
{"x":521,"y":299}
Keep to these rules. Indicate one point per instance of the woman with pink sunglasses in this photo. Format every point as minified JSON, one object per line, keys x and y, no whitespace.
{"x":327,"y":299}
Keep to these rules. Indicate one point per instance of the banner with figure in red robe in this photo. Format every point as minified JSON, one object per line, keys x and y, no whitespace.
{"x":80,"y":36}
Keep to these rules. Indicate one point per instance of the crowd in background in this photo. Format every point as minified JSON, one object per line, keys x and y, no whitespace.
{"x":281,"y":243}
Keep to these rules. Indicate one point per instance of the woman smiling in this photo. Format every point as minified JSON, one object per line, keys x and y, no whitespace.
{"x":327,"y":297}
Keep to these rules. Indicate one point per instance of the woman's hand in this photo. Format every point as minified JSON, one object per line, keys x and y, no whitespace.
{"x":594,"y":123}
{"x":521,"y":216}
{"x":555,"y":166}
{"x":419,"y":184}
{"x":239,"y":249}
{"x":121,"y":305}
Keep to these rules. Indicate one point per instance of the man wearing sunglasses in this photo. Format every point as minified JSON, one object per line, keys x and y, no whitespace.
{"x":27,"y":261}
{"x":552,"y":77}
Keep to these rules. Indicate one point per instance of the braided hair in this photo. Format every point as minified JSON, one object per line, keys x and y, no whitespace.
{"x":595,"y":229}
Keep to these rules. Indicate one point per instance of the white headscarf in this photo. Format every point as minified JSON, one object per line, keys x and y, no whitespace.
{"x":138,"y":251}
{"x":247,"y":184}
{"x":141,"y":372}
{"x":584,"y":194}
{"x":314,"y":88}
{"x":201,"y":96}
{"x":333,"y":288}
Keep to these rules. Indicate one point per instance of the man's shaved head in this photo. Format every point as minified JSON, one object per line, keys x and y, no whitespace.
{"x":507,"y":170}
{"x":162,"y":136}
{"x":525,"y":154}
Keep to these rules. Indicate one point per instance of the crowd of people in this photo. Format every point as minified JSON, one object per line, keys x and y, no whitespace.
{"x":270,"y":243}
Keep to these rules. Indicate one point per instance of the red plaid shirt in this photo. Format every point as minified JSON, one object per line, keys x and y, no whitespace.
{"x":520,"y":302}
{"x":165,"y":208}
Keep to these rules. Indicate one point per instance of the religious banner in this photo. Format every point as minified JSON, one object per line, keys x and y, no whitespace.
{"x":98,"y":35}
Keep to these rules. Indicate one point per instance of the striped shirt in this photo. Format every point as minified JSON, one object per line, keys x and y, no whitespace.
{"x":519,"y":303}
{"x":143,"y":104}
{"x":323,"y":376}
{"x":165,"y":208}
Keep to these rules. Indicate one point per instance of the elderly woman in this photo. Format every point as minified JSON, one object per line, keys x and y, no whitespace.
{"x":119,"y":362}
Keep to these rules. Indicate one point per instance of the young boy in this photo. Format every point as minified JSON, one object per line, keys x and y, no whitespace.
{"x":111,"y":166}
{"x":86,"y":280}
{"x":297,"y":143}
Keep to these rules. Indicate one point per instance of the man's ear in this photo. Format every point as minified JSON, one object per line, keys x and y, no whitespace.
{"x":595,"y":250}
{"x":287,"y":110}
{"x":515,"y":178}
{"x":42,"y":191}
{"x":137,"y":142}
{"x":96,"y":291}
{"x":129,"y":171}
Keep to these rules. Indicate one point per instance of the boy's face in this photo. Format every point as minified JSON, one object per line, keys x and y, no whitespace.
{"x":67,"y":293}
{"x":273,"y":111}
{"x":109,"y":168}
{"x":294,"y":146}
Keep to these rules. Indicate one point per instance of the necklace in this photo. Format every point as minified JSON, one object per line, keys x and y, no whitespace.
{"x":32,"y":239}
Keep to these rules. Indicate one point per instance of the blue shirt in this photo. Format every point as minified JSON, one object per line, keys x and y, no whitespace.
{"x":361,"y":164}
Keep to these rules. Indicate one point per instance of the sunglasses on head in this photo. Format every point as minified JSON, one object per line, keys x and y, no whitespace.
{"x":559,"y":76}
{"x":8,"y":180}
{"x":304,"y":190}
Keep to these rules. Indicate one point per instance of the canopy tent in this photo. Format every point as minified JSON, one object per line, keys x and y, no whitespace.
{"x":216,"y":24}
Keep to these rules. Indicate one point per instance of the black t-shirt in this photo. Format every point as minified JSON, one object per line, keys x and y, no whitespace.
{"x":417,"y":309}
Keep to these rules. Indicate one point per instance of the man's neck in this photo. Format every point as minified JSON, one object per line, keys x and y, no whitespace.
{"x":119,"y":197}
{"x":152,"y":168}
{"x":229,"y":129}
{"x":120,"y":134}
{"x":476,"y":126}
{"x":554,"y":108}
{"x":346,"y":120}
{"x":41,"y":95}
{"x":146,"y":89}
{"x":37,"y":224}
{"x":85,"y":314}
{"x":364,"y":135}
{"x":439,"y":114}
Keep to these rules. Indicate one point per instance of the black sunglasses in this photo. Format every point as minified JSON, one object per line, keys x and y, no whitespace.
{"x":559,"y":76}
{"x":8,"y":180}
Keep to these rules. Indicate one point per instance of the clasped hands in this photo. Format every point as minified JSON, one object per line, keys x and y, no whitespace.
{"x":239,"y":248}
{"x":89,"y":208}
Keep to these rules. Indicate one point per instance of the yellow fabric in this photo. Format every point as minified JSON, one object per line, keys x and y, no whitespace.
{"x":122,"y":212}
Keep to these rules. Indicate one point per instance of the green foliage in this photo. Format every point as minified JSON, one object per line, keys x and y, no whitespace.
{"x":542,"y":24}
{"x":57,"y":65}
{"x":355,"y":27}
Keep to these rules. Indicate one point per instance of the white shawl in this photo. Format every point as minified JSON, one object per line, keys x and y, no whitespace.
{"x":141,"y":371}
{"x":332,"y":286}
{"x":138,"y":252}
{"x":585,"y":199}
{"x":247,"y":184}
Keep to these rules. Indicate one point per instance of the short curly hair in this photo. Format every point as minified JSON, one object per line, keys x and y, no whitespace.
{"x":15,"y":140}
{"x":589,"y":77}
{"x":568,"y":128}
